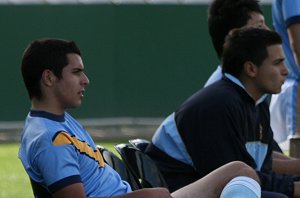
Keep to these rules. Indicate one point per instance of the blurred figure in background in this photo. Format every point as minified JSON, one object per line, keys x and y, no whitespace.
{"x":285,"y":106}
{"x":227,"y":15}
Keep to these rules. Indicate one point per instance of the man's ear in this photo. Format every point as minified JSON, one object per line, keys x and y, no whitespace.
{"x":250,"y":69}
{"x":48,"y":77}
{"x":232,"y":30}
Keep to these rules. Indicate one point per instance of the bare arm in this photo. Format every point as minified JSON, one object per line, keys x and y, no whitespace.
{"x":77,"y":191}
{"x":283,"y":164}
{"x":74,"y":190}
{"x":277,"y":155}
{"x":148,"y":193}
{"x":294,"y":37}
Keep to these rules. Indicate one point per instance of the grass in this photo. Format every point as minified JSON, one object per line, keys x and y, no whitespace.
{"x":14,"y":181}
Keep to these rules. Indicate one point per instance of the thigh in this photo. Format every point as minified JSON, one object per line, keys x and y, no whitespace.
{"x":212,"y":184}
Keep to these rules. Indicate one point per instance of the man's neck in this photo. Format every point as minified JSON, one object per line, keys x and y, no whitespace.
{"x":248,"y":86}
{"x":41,"y":105}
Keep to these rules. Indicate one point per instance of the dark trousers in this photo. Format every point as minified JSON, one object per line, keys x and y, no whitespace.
{"x":267,"y":194}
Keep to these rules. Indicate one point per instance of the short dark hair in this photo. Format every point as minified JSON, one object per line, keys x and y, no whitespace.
{"x":247,"y":44}
{"x":224,"y":15}
{"x":41,"y":54}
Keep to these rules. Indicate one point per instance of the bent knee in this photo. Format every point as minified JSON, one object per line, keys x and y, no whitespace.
{"x":239,"y":165}
{"x":244,"y":170}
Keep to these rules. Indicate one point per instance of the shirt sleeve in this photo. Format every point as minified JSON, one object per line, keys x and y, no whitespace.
{"x":291,"y":11}
{"x":58,"y":165}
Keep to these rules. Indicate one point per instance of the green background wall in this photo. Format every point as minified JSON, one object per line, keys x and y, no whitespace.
{"x":142,"y":60}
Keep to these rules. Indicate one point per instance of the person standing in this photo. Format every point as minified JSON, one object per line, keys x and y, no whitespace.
{"x":284,"y":107}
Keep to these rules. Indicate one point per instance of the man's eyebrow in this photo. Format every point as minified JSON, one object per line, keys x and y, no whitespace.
{"x":78,"y":68}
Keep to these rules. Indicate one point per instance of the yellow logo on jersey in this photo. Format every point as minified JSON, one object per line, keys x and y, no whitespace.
{"x":64,"y":138}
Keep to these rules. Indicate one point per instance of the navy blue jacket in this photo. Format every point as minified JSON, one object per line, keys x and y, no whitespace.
{"x":219,"y":124}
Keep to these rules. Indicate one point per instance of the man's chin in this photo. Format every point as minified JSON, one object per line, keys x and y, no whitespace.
{"x":73,"y":106}
{"x":277,"y":91}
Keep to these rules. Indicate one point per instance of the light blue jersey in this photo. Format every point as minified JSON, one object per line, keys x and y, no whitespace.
{"x":283,"y":107}
{"x":284,"y":14}
{"x":216,"y":75}
{"x":56,"y":152}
